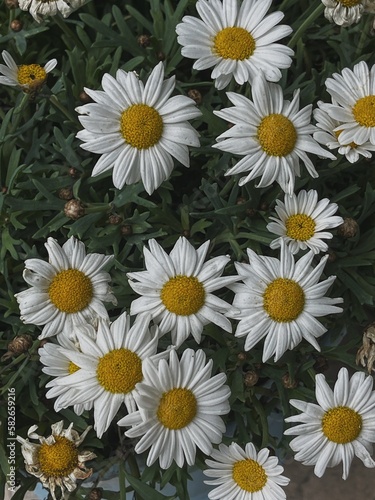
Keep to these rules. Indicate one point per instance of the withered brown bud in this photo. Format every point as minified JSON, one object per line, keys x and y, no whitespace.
{"x":114,"y":219}
{"x":127,"y":230}
{"x":242,"y":356}
{"x":186,"y":233}
{"x":251,"y":212}
{"x":160,"y":55}
{"x":241,"y":200}
{"x":12,"y":4}
{"x":73,"y":172}
{"x":348,"y":228}
{"x":366,"y":353}
{"x":18,"y":345}
{"x":288,"y":382}
{"x":84,"y":97}
{"x":250,"y":378}
{"x":332,"y":256}
{"x":263,"y":206}
{"x":74,"y":209}
{"x":321,"y":364}
{"x":195,"y":95}
{"x":144,"y":41}
{"x":16,"y":25}
{"x":65,"y":193}
{"x":95,"y":494}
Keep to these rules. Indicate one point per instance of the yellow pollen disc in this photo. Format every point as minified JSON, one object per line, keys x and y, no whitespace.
{"x":341,"y":424}
{"x":249,"y":475}
{"x":364,"y":111}
{"x":31,"y":74}
{"x":283,"y":300}
{"x":58,"y":459}
{"x":352,"y":144}
{"x":70,"y":291}
{"x":177,"y":408}
{"x":141,"y":126}
{"x":349,"y":3}
{"x":73,"y":368}
{"x":277,"y":135}
{"x":300,"y":227}
{"x":119,"y":371}
{"x":234,"y":43}
{"x":183,"y":295}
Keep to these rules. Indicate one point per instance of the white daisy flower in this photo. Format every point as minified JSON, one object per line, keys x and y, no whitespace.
{"x":69,"y":289}
{"x":41,"y":8}
{"x":177,"y":289}
{"x":245,"y":474}
{"x":329,"y":134}
{"x":27,"y":76}
{"x":343,"y":12}
{"x":238,"y":40}
{"x":179,"y":409}
{"x":56,"y":461}
{"x":340,"y":426}
{"x":272,"y":135}
{"x":353,"y":95}
{"x":138,"y":128}
{"x":302,"y":221}
{"x":109,"y":369}
{"x":280,"y":300}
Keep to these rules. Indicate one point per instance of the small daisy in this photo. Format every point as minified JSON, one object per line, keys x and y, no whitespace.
{"x":56,"y":461}
{"x":245,"y":474}
{"x":69,"y":289}
{"x":280,"y":300}
{"x":138,"y":128}
{"x":106,"y":370}
{"x":273,"y":135}
{"x":353,"y":95}
{"x":29,"y":77}
{"x":340,"y":426}
{"x":177,"y":289}
{"x":343,"y":12}
{"x":302,"y":221}
{"x":329,"y":134}
{"x":40,"y":8}
{"x":237,"y":40}
{"x":180,"y":406}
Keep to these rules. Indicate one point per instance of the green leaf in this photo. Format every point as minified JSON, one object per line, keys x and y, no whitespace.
{"x":144,"y":489}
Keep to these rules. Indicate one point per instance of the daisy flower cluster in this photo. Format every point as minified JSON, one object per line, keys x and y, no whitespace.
{"x":180,"y":322}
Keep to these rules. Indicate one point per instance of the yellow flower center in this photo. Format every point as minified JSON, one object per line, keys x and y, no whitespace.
{"x":119,"y":371}
{"x":283,"y":300}
{"x":300,"y":227}
{"x":364,"y":111}
{"x":234,"y":43}
{"x":352,"y":144}
{"x":73,"y":368}
{"x":141,"y":126}
{"x":183,"y":295}
{"x":177,"y":408}
{"x":249,"y":475}
{"x":70,"y":291}
{"x":58,"y":459}
{"x":31,"y":75}
{"x":341,"y":424}
{"x":349,"y":3}
{"x":277,"y":135}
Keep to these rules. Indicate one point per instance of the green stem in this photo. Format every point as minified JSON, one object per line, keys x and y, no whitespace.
{"x":122,"y":481}
{"x":263,"y":420}
{"x":17,"y":113}
{"x":57,"y":104}
{"x":306,"y":24}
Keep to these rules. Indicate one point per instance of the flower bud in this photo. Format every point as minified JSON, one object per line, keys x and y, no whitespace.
{"x":95,"y":494}
{"x":126,"y":230}
{"x":251,"y":378}
{"x":74,"y":209}
{"x":144,"y":41}
{"x":16,"y":25}
{"x":18,"y":345}
{"x":84,"y":98}
{"x":288,"y":382}
{"x":348,"y":228}
{"x":114,"y":219}
{"x":195,"y":95}
{"x":65,"y":193}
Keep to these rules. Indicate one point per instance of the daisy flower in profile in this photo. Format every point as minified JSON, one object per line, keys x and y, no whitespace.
{"x":340,"y":426}
{"x":176,"y":289}
{"x":69,"y":289}
{"x":302,"y":221}
{"x":280,"y":300}
{"x":56,"y":461}
{"x":271,"y":134}
{"x":329,"y":133}
{"x":106,"y":370}
{"x":179,"y":409}
{"x":245,"y":474}
{"x":42,"y":8}
{"x":30,"y":77}
{"x":138,"y":128}
{"x":353,"y":96}
{"x":343,"y":12}
{"x":237,"y":40}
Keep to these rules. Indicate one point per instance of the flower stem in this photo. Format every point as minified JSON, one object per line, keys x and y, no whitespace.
{"x":306,"y":24}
